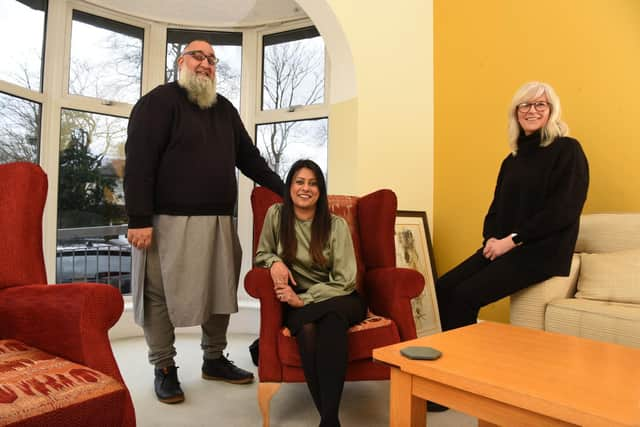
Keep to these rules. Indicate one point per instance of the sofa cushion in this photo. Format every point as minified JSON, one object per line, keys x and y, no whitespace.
{"x":608,"y":232}
{"x":38,"y":388}
{"x":611,"y":276}
{"x":600,"y":320}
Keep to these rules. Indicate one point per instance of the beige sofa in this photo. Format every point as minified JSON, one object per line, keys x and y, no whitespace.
{"x":601,"y":297}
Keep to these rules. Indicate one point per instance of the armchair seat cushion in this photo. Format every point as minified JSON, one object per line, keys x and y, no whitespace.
{"x":38,"y":388}
{"x":372,"y":332}
{"x":600,"y":320}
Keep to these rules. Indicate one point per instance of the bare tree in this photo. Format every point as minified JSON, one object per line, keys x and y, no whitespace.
{"x":116,"y":76}
{"x":173,"y":52}
{"x":293,"y":75}
{"x":19,"y":130}
{"x":20,"y":121}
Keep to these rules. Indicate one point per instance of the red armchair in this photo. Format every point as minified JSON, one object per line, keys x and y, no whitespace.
{"x":387,"y":289}
{"x":56,"y":363}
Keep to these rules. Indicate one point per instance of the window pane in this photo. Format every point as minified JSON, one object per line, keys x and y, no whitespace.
{"x":22,"y":42}
{"x":293,"y":69}
{"x":19,"y":129}
{"x":106,"y":58}
{"x":92,"y":243}
{"x":228,"y":48}
{"x":283,"y":143}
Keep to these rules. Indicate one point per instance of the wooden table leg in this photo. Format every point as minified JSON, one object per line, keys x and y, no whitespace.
{"x":405,"y":409}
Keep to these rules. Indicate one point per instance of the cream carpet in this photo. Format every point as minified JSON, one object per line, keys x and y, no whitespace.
{"x":214,"y":403}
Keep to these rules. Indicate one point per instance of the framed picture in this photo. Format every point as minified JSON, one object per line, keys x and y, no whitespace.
{"x":414,"y":250}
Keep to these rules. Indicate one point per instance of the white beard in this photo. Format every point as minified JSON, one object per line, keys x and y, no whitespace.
{"x":201,"y":90}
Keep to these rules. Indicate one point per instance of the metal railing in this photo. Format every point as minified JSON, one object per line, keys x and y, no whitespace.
{"x":95,"y":255}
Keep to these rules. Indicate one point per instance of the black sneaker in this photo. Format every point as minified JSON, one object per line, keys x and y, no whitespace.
{"x":223,"y":369}
{"x":167,"y":385}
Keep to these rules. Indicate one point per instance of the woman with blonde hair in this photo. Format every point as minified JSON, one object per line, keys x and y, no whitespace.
{"x":532,"y":224}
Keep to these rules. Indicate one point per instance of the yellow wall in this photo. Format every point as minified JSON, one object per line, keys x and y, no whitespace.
{"x":589,"y":50}
{"x":343,"y":148}
{"x":392,"y":50}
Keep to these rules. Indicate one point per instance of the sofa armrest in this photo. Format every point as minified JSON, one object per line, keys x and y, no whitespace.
{"x":389,"y":292}
{"x":259,"y":285}
{"x":529,"y":305}
{"x":70,"y":321}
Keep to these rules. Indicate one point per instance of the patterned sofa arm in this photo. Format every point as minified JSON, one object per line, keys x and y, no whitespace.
{"x":70,"y":321}
{"x":529,"y":305}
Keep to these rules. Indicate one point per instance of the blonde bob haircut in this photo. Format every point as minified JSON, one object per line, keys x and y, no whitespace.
{"x":554,"y":127}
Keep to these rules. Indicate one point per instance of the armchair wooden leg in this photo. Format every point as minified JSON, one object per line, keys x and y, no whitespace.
{"x":265,"y":393}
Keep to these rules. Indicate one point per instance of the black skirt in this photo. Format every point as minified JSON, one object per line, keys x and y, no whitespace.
{"x":351,"y":308}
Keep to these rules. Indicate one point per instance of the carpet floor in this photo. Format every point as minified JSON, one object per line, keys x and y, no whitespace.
{"x":215,"y":403}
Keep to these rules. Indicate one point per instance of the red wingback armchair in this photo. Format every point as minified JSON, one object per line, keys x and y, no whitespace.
{"x":56,"y":363}
{"x":388,"y":291}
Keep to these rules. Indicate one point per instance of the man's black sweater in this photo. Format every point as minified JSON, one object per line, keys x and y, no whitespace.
{"x":539,"y":195}
{"x":181,"y":160}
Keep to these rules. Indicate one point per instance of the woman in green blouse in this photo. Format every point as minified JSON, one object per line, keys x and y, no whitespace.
{"x":310,"y":255}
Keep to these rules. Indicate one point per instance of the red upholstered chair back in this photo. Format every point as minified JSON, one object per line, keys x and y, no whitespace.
{"x":371,"y":220}
{"x":23,"y":191}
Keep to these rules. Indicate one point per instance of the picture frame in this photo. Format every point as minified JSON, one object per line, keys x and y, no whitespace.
{"x":414,"y":250}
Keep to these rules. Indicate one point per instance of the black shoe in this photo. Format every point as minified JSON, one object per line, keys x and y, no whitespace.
{"x":435,"y":407}
{"x":223,"y":369}
{"x":167,"y":385}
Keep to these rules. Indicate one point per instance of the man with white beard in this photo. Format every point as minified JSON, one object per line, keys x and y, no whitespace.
{"x":184,"y":143}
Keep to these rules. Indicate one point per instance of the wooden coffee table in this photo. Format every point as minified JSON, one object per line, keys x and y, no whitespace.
{"x":511,"y":376}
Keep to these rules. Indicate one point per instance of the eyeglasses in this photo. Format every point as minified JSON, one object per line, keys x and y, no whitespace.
{"x":539,"y":106}
{"x":199,"y":56}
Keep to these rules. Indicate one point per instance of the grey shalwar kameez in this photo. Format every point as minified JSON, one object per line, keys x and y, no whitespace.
{"x":193,"y":253}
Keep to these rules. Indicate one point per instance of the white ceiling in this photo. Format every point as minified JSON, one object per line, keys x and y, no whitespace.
{"x":209,"y":13}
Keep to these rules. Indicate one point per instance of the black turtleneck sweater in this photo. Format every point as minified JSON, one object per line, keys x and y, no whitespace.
{"x":539,"y":195}
{"x":181,"y":160}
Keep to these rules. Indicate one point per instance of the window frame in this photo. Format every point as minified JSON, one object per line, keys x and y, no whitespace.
{"x":53,"y":97}
{"x":93,"y":104}
{"x":56,"y":91}
{"x":28,"y":99}
{"x":6,"y":86}
{"x":252,"y":115}
{"x":283,"y":114}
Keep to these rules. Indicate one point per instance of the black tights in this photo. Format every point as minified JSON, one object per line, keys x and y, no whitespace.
{"x":323,"y":350}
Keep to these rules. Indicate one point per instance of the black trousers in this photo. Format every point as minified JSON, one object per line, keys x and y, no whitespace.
{"x":477,"y":282}
{"x":321,"y":332}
